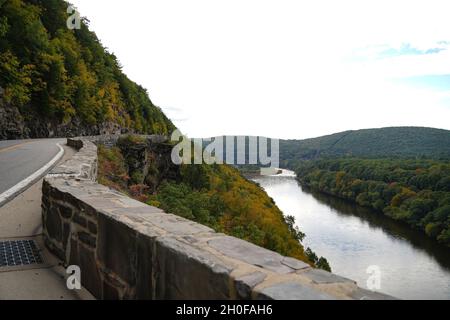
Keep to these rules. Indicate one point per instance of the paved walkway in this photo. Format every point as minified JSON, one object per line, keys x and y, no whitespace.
{"x":21,"y":219}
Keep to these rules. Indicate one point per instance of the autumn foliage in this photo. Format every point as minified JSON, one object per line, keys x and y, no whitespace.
{"x":214,"y":195}
{"x":415,"y":191}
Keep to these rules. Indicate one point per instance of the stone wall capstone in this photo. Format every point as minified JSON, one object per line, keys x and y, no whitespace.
{"x":129,"y":250}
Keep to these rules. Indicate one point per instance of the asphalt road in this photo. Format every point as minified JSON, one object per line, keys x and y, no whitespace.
{"x":19,"y":159}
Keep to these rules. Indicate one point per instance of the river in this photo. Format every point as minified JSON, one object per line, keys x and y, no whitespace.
{"x":353,"y":238}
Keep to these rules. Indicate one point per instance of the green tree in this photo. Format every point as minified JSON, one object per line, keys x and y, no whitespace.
{"x":15,"y":79}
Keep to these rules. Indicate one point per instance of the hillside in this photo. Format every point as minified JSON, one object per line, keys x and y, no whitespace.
{"x":414,"y":191}
{"x":213,"y":195}
{"x":60,"y":82}
{"x":370,"y":143}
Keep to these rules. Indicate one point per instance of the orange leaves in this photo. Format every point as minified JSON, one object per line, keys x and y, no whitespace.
{"x":218,"y":196}
{"x":139,"y":192}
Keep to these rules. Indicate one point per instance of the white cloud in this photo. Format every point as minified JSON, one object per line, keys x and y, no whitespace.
{"x":278,"y":68}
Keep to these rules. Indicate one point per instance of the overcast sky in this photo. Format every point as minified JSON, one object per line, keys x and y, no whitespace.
{"x":288,"y":69}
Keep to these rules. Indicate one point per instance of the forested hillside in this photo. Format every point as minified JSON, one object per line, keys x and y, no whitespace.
{"x":213,"y":195}
{"x":404,"y":142}
{"x":60,"y":82}
{"x":413,"y":191}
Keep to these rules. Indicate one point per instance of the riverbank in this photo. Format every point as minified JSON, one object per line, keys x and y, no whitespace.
{"x":353,"y":238}
{"x":414,"y":191}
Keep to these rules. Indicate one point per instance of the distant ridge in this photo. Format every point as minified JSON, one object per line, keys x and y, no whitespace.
{"x":366,"y":143}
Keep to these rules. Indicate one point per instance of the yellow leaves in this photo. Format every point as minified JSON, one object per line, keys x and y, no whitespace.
{"x":154,"y":203}
{"x":246,"y":205}
{"x":128,"y":122}
{"x":84,"y":75}
{"x":109,"y":98}
{"x":68,"y":74}
{"x":15,"y":79}
{"x":69,"y":112}
{"x":101,"y":93}
{"x":239,"y":209}
{"x":339,"y":176}
{"x":110,"y":115}
{"x":138,"y":124}
{"x":405,"y":193}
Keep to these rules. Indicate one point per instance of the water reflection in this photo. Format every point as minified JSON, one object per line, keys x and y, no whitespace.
{"x":392,"y":228}
{"x":353,"y":238}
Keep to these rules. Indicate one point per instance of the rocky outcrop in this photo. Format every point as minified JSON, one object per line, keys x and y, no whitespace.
{"x":12,"y":124}
{"x":148,"y":160}
{"x":129,"y":250}
{"x":15,"y":125}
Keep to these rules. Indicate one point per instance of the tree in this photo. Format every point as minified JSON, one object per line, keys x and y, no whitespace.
{"x":322,"y":263}
{"x":15,"y":79}
{"x":63,"y":76}
{"x":296,"y":233}
{"x":409,"y":190}
{"x":443,"y":184}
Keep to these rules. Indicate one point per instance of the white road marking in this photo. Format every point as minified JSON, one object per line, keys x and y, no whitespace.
{"x":25,"y":183}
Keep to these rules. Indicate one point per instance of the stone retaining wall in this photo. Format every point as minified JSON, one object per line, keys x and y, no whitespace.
{"x":129,"y":250}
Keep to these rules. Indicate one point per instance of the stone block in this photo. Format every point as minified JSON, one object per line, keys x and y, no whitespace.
{"x":181,"y":271}
{"x":245,"y":284}
{"x":144,"y":211}
{"x":363,"y":294}
{"x":87,"y":239}
{"x":176,"y":225}
{"x":291,"y":291}
{"x":294,"y":263}
{"x":45,"y":201}
{"x":53,"y":224}
{"x":110,"y":292}
{"x":323,"y":277}
{"x":113,"y":289}
{"x":54,"y":248}
{"x":90,"y":211}
{"x":75,"y":143}
{"x":102,"y":204}
{"x":144,"y":267}
{"x":247,"y":252}
{"x":65,"y":212}
{"x":116,"y":248}
{"x":90,"y":275}
{"x":77,"y":218}
{"x":92,"y":227}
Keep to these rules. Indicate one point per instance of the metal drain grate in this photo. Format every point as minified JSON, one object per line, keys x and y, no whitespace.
{"x":18,"y":253}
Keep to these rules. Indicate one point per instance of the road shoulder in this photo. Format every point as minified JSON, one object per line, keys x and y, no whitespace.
{"x":21,"y":218}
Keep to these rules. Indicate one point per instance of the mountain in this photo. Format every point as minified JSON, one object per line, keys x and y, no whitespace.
{"x":370,"y":143}
{"x":391,"y":142}
{"x":55,"y":81}
{"x":402,"y":172}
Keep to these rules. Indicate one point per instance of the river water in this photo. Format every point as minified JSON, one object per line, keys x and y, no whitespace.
{"x":352,"y":238}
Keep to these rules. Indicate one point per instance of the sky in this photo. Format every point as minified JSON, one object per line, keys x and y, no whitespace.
{"x":282,"y":68}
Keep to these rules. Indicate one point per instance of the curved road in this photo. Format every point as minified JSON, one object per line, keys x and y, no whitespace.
{"x":20,"y":160}
{"x":21,"y":219}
